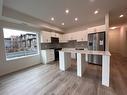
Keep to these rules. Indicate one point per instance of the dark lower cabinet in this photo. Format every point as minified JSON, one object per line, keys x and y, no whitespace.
{"x":56,"y":52}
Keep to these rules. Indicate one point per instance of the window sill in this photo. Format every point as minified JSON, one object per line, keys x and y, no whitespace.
{"x":16,"y":58}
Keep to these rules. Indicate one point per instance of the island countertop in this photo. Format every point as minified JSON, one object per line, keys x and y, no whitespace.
{"x":82,"y":55}
{"x":88,"y":52}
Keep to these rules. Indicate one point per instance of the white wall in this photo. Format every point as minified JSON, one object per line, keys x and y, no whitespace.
{"x":1,"y":7}
{"x":118,"y":41}
{"x":14,"y":65}
{"x":114,"y":41}
{"x":17,"y":64}
{"x":123,"y":41}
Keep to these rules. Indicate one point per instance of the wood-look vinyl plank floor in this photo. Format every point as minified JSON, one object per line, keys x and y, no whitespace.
{"x":49,"y":80}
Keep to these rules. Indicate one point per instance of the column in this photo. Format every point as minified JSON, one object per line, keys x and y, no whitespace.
{"x":2,"y":47}
{"x":81,"y":64}
{"x":64,"y":60}
{"x":106,"y":70}
{"x":107,"y":30}
{"x":1,"y":8}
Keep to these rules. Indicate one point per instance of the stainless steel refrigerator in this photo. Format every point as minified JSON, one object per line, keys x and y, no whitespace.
{"x":96,"y":42}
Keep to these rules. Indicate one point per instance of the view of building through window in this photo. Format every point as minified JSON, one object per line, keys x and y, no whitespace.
{"x":19,"y":43}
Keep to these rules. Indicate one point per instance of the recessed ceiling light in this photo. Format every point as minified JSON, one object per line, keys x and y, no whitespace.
{"x":92,"y":1}
{"x":52,"y":19}
{"x":96,"y":12}
{"x":76,"y":19}
{"x":67,"y":11}
{"x":113,"y":27}
{"x":121,"y":16}
{"x":62,"y":23}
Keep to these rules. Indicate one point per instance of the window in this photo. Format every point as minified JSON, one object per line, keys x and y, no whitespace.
{"x":19,"y":43}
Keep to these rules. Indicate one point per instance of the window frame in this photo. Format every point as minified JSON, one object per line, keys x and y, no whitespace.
{"x":25,"y":56}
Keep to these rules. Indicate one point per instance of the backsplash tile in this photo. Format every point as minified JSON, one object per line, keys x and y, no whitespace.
{"x":69,"y":44}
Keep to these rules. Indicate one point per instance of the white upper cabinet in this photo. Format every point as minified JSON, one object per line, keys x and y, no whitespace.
{"x":82,"y":36}
{"x":91,"y":30}
{"x":61,"y":38}
{"x":57,"y":35}
{"x":71,"y":36}
{"x":53,"y":34}
{"x":78,"y":36}
{"x":86,"y":35}
{"x":65,"y":38}
{"x":100,"y":28}
{"x":45,"y":37}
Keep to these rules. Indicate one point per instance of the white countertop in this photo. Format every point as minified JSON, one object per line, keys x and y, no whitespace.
{"x":88,"y":52}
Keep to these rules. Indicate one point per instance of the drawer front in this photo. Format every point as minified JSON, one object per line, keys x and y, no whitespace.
{"x":51,"y":53}
{"x":50,"y":59}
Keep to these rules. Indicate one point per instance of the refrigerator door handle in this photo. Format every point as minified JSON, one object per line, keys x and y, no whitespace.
{"x":101,"y":42}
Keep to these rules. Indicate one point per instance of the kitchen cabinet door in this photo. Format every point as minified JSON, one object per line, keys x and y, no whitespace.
{"x":71,"y":36}
{"x":82,"y":36}
{"x":45,"y":37}
{"x":47,"y":56}
{"x":61,"y":38}
{"x":95,"y":29}
{"x":53,"y":34}
{"x":101,"y":28}
{"x":65,"y":37}
{"x":86,"y":35}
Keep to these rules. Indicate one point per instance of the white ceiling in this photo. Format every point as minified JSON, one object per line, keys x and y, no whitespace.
{"x":83,"y":9}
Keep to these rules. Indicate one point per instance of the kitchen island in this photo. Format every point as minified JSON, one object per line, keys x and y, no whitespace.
{"x":65,"y":62}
